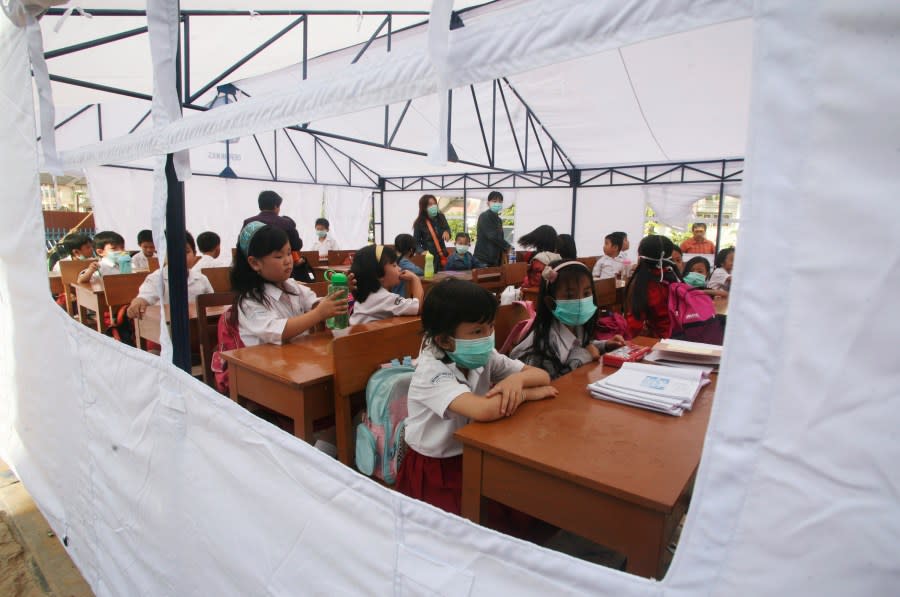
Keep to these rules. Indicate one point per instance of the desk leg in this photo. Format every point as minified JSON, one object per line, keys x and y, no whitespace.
{"x":233,"y":382}
{"x":343,"y":421}
{"x":471,"y":483}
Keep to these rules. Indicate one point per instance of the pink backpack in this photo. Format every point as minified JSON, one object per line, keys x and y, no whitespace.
{"x":521,"y":330}
{"x":229,"y":338}
{"x":693,"y":315}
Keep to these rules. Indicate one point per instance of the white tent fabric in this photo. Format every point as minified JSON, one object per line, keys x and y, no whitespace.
{"x":160,"y":486}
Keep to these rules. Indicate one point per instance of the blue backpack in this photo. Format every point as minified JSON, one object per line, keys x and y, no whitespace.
{"x":379,"y":436}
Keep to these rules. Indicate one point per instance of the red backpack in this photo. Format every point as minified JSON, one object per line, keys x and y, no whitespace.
{"x":229,"y":338}
{"x":693,"y":315}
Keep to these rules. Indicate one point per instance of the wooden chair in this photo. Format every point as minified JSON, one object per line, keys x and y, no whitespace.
{"x":419,"y":260}
{"x":153,"y":264}
{"x":219,"y":278}
{"x":312,"y":258}
{"x":320,"y":288}
{"x":207,"y":329}
{"x":120,"y":290}
{"x":490,"y":278}
{"x":589,"y":261}
{"x":514,"y":273}
{"x":68,"y":273}
{"x":605,"y":293}
{"x":356,"y":358}
{"x":340,"y":257}
{"x":507,"y":317}
{"x":522,"y":256}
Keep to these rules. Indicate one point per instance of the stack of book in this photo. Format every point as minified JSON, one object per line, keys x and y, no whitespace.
{"x":686,"y":355}
{"x":669,"y":390}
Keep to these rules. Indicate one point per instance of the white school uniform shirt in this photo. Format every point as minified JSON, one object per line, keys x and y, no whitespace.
{"x":207,"y":261}
{"x":430,"y":425}
{"x":197,"y":284}
{"x":719,"y":280}
{"x":564,"y":343}
{"x":608,"y":267}
{"x":381,"y":305}
{"x":262,"y":324}
{"x":108,"y":267}
{"x":56,"y":265}
{"x":138,"y":261}
{"x":325,"y":245}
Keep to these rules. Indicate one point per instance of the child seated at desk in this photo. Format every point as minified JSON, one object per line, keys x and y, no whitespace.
{"x":459,"y":377}
{"x":405,"y":245}
{"x":271,"y":307}
{"x":720,"y":279}
{"x":210,"y":246}
{"x":647,"y":293}
{"x":76,"y":247}
{"x":141,"y":259}
{"x":562,"y":336}
{"x":323,"y":242}
{"x":462,"y":260}
{"x":108,"y":245}
{"x":542,"y":240}
{"x":609,"y":265}
{"x":197,"y":283}
{"x":376,"y":270}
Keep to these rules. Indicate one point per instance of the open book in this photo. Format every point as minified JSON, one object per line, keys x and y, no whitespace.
{"x":663,"y":389}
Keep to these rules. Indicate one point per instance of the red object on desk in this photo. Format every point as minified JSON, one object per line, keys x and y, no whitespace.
{"x":626,"y":354}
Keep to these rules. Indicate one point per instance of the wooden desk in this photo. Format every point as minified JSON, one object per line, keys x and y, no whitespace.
{"x":617,"y":475}
{"x":445,"y":275}
{"x":721,"y":304}
{"x":296,"y":379}
{"x":147,"y":328}
{"x":56,"y":284}
{"x":90,"y":296}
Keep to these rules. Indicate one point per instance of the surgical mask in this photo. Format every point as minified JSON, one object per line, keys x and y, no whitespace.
{"x":432,"y":210}
{"x":496,"y":207}
{"x":462,"y":249}
{"x":575,"y":312}
{"x":472,"y":354}
{"x":321,"y":233}
{"x":695,"y":279}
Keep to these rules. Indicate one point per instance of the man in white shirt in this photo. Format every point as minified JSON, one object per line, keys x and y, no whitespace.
{"x":608,"y":266}
{"x":324,"y":243}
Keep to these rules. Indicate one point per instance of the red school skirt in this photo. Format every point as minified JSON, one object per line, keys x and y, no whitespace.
{"x":437,"y":481}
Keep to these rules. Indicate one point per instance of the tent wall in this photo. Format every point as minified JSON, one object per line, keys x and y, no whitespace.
{"x":121,"y":199}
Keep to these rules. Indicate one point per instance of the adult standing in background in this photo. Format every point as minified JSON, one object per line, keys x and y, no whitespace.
{"x":269,"y":213}
{"x":489,"y":242}
{"x":432,"y":231}
{"x":698,"y":243}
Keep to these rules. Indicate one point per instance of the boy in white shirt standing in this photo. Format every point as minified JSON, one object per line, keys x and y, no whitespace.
{"x":323,"y":242}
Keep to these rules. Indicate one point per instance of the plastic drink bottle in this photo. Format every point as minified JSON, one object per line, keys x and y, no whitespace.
{"x":512,"y":255}
{"x":429,"y":265}
{"x":337,"y":282}
{"x":124,"y":263}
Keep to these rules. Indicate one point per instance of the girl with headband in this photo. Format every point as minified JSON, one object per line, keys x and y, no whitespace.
{"x":561,"y":338}
{"x":377,"y":271}
{"x":647,"y":293}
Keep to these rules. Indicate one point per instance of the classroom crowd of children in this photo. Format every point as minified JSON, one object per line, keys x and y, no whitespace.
{"x":460,"y":375}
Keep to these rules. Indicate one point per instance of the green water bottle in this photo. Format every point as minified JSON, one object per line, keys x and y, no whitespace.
{"x":429,"y":265}
{"x":337,"y":282}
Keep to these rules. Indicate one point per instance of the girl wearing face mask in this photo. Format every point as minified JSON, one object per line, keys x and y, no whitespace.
{"x":561,"y":336}
{"x":459,"y":377}
{"x":432,"y":231}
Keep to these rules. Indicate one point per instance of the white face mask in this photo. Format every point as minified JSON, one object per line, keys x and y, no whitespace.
{"x":462,"y":249}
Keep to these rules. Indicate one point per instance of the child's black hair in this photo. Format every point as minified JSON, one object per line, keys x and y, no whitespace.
{"x":722,"y":255}
{"x":616,"y":239}
{"x":694,"y":261}
{"x":565,"y":246}
{"x":542,"y":238}
{"x":464,"y":235}
{"x":544,"y":318}
{"x":247,"y":282}
{"x":268,"y":200}
{"x":654,"y":252}
{"x":73,"y":242}
{"x":208,"y":241}
{"x":452,"y":302}
{"x":368,"y":269}
{"x":145,"y":236}
{"x":323,"y":222}
{"x":405,"y":245}
{"x":108,"y":237}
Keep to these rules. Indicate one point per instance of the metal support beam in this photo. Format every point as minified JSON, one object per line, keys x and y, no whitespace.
{"x":98,"y":87}
{"x":193,"y":97}
{"x":372,"y":38}
{"x":186,"y":32}
{"x":721,"y":208}
{"x":73,"y":117}
{"x":575,"y":179}
{"x":94,"y":43}
{"x":178,"y":274}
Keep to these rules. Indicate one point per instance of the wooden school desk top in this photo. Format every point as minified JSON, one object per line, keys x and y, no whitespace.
{"x":638,"y":455}
{"x":444,"y":275}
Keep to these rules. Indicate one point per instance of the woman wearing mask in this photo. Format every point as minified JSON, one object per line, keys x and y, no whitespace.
{"x":489,"y":242}
{"x":431,"y":231}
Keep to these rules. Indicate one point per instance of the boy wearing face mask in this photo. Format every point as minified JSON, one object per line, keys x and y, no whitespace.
{"x":462,"y":260}
{"x":491,"y":245}
{"x":561,"y":337}
{"x":324,"y":243}
{"x":108,"y":245}
{"x":459,"y":377}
